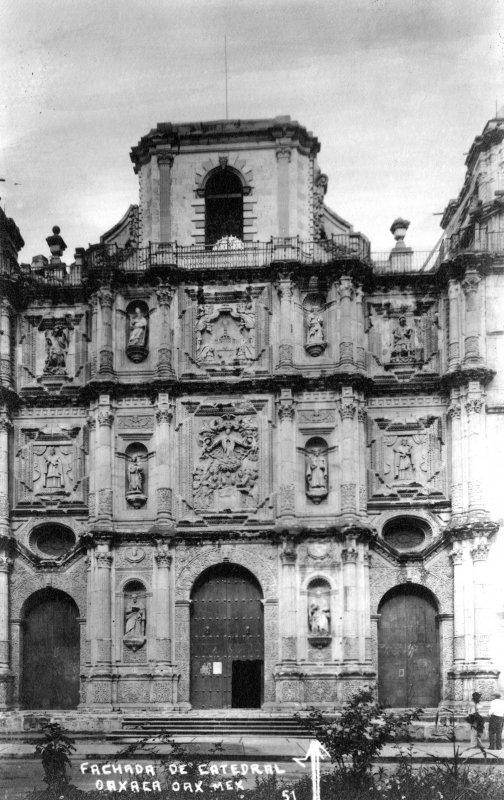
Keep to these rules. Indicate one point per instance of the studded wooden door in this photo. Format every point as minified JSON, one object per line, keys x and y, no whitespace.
{"x":227,"y":640}
{"x":50,"y":676}
{"x":408,"y":651}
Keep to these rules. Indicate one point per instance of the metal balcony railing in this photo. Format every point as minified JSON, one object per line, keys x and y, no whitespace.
{"x":397,"y":261}
{"x":469,"y":240}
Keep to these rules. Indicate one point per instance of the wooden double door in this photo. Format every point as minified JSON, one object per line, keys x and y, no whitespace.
{"x":408,"y":650}
{"x":227,"y":639}
{"x":51,"y":652}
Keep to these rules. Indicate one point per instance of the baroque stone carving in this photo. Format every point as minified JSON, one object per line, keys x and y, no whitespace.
{"x":52,"y":469}
{"x":319,"y":608}
{"x":57,"y":340}
{"x":403,"y":344}
{"x":407,"y":459}
{"x":225,"y":333}
{"x":316,"y":470}
{"x":134,"y":622}
{"x":226,"y":473}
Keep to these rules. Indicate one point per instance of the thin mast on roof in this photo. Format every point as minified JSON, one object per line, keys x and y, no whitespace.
{"x":226,"y":73}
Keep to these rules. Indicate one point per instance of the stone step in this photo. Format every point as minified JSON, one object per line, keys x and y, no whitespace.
{"x":188,"y":726}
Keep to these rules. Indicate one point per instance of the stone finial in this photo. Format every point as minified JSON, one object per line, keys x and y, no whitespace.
{"x":398,"y":230}
{"x":56,"y":243}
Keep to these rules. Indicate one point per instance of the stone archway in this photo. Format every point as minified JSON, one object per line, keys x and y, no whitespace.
{"x":408,"y":648}
{"x":227,"y":639}
{"x":50,"y":651}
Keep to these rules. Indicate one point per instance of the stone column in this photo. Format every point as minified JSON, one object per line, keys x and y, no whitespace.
{"x":286,"y":506}
{"x":457,"y":558}
{"x":349,"y":451}
{"x":474,"y":407}
{"x":106,"y":355}
{"x":162,"y":605}
{"x":182,"y":650}
{"x":470,"y":285}
{"x":350,"y":609}
{"x":482,"y":600}
{"x":6,"y":677}
{"x":347,"y":332}
{"x":165,"y":164}
{"x":362,"y":457}
{"x":283,"y":155}
{"x":102,"y":605}
{"x":288,"y":600}
{"x":366,"y":565}
{"x":285,"y":348}
{"x":457,"y":461}
{"x":5,"y":425}
{"x":6,"y":317}
{"x":454,"y":324}
{"x":91,"y":460}
{"x":360,"y":350}
{"x":104,"y":462}
{"x":164,"y":447}
{"x":164,"y":367}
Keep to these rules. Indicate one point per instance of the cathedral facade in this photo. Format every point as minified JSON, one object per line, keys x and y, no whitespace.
{"x":245,"y":463}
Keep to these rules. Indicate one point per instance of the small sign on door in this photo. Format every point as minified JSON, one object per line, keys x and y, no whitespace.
{"x":401,"y":673}
{"x":217,"y":667}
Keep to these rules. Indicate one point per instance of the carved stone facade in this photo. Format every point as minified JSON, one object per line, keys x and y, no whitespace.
{"x":275,"y":426}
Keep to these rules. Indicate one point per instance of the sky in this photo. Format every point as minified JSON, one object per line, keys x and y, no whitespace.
{"x":395,"y":91}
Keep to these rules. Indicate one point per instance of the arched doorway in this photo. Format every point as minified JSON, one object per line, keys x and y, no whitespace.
{"x":50,"y":651}
{"x":227,"y":639}
{"x":408,"y":648}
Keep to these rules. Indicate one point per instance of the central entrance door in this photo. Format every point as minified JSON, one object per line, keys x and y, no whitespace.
{"x":227,"y":639}
{"x":408,"y":649}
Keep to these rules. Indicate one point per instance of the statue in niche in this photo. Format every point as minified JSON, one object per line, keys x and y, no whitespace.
{"x":56,"y":344}
{"x":138,"y":329}
{"x":319,"y":609}
{"x":54,"y":478}
{"x":135,"y":475}
{"x":134,"y":623}
{"x":404,"y":468}
{"x":136,"y":347}
{"x":315,"y":328}
{"x":225,"y":477}
{"x":403,"y":341}
{"x":316,"y":472}
{"x":315,"y":341}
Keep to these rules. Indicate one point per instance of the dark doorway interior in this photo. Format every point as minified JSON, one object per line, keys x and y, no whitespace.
{"x":246,"y":684}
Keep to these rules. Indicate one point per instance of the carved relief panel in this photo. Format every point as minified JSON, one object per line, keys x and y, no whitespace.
{"x":404,"y":337}
{"x":52,"y":349}
{"x":226,"y":332}
{"x":407,"y":458}
{"x":227,"y":469}
{"x":50,"y":467}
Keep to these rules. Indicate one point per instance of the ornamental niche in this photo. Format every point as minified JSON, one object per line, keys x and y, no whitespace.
{"x":314,"y":324}
{"x":316,"y":469}
{"x":226,"y":472}
{"x":135,"y":615}
{"x":225,"y":333}
{"x":407,"y":458}
{"x":319,"y":612}
{"x":137,"y":315}
{"x":136,"y":475}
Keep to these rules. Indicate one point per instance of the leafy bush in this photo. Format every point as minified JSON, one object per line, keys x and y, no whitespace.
{"x":356,"y":735}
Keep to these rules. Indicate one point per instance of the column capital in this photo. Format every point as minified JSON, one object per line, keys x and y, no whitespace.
{"x":164,"y":294}
{"x":105,"y":417}
{"x":165,"y":159}
{"x":5,"y":563}
{"x":470,"y":283}
{"x":345,"y":288}
{"x":104,"y":560}
{"x":164,"y":411}
{"x":454,"y":409}
{"x":349,"y":554}
{"x":163,"y":556}
{"x":5,"y":421}
{"x":474,"y":405}
{"x":480,"y":551}
{"x":347,"y":409}
{"x":106,"y":298}
{"x":283,"y":152}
